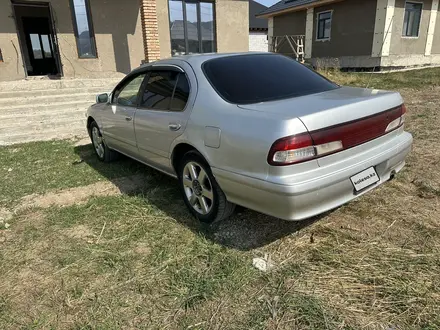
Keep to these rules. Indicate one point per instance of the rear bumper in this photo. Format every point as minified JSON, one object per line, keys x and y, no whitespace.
{"x":315,"y":194}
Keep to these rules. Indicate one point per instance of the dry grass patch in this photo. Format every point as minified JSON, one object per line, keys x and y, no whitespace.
{"x":78,"y":195}
{"x":141,"y":261}
{"x":37,"y":167}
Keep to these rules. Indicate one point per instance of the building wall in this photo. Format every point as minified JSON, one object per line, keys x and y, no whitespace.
{"x":163,"y":21}
{"x":436,"y":41}
{"x":232,"y":31}
{"x":232,"y":25}
{"x":352,"y":29}
{"x":118,"y":36}
{"x":119,"y":46}
{"x":12,"y":66}
{"x":258,"y":41}
{"x":404,"y":45}
{"x":118,"y":33}
{"x":290,"y":24}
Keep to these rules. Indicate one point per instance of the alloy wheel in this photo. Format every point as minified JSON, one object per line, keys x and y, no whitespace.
{"x":198,"y":188}
{"x":98,"y":143}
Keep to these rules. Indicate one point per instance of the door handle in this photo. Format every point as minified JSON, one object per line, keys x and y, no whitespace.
{"x":128,"y":118}
{"x":174,"y":127}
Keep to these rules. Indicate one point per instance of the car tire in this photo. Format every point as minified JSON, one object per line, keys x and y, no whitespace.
{"x":201,"y":192}
{"x":102,"y":151}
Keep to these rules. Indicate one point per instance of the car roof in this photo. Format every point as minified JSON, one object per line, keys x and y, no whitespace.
{"x":198,"y":59}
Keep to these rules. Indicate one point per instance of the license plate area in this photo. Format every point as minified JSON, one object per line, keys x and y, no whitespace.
{"x":364,"y":179}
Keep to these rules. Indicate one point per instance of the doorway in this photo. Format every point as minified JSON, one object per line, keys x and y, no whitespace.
{"x":37,"y":38}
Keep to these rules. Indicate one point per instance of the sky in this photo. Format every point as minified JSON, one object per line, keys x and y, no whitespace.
{"x":267,"y":3}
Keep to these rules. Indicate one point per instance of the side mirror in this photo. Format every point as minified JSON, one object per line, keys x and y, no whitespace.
{"x":102,"y":98}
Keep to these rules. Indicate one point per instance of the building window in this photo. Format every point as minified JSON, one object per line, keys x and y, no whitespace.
{"x":36,"y":46}
{"x":192,"y":27}
{"x":324,"y":26}
{"x":411,"y":22}
{"x":82,"y":22}
{"x":41,"y":46}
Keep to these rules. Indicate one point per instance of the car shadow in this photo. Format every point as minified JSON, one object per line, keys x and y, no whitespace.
{"x":245,"y":230}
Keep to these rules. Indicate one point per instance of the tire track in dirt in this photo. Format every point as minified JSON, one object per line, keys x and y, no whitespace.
{"x":80,"y":195}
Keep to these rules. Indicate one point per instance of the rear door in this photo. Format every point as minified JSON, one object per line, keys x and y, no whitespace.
{"x":118,"y":120}
{"x":162,"y":114}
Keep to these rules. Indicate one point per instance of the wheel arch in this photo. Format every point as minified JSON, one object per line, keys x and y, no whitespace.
{"x":180,"y":150}
{"x":90,"y":120}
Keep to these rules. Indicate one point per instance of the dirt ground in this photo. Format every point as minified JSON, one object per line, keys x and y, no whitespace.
{"x":85,"y":246}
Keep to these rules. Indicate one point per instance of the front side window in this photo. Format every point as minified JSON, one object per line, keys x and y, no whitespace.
{"x":324,"y":26}
{"x":127,"y":94}
{"x":192,"y":27}
{"x":82,"y":22}
{"x":411,"y":22}
{"x":165,"y":90}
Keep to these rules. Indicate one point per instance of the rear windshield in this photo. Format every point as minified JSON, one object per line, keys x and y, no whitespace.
{"x":255,"y":78}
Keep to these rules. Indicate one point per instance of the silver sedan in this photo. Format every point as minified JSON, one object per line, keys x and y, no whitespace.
{"x":254,"y":129}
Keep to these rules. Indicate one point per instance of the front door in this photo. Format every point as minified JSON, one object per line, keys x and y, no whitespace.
{"x":161,"y":116}
{"x":40,"y":46}
{"x":118,"y":119}
{"x":37,"y":38}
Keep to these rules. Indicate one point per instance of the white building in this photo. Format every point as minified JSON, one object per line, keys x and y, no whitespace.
{"x":257,"y":28}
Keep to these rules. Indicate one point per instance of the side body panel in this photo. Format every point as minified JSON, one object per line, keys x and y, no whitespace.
{"x":118,"y":129}
{"x":156,"y":129}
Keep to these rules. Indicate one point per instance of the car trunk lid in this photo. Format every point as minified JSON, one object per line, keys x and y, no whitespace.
{"x":349,"y":115}
{"x":331,"y":108}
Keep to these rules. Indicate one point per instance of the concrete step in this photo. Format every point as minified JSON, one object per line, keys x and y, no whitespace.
{"x":36,"y":121}
{"x":35,"y":108}
{"x":75,"y":125}
{"x":36,"y":113}
{"x":44,"y":84}
{"x":13,"y":137}
{"x":47,"y":99}
{"x":53,"y":92}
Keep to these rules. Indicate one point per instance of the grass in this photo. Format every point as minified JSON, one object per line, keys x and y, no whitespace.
{"x":141,"y":261}
{"x":416,"y":79}
{"x":40,"y":166}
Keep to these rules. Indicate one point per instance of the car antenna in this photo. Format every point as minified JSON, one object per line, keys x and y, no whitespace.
{"x":381,"y":47}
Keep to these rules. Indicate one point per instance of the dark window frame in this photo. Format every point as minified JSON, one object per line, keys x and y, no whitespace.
{"x":323,"y":21}
{"x":408,"y":32}
{"x":145,"y":82}
{"x":199,"y":25}
{"x":91,"y":29}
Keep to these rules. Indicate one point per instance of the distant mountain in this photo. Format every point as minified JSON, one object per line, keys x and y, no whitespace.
{"x":85,"y":44}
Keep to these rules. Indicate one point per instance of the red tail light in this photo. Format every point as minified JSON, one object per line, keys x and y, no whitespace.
{"x":306,"y":146}
{"x":291,"y":149}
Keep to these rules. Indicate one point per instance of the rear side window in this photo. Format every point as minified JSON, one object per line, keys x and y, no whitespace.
{"x":165,"y":90}
{"x":245,"y":79}
{"x":181,"y":93}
